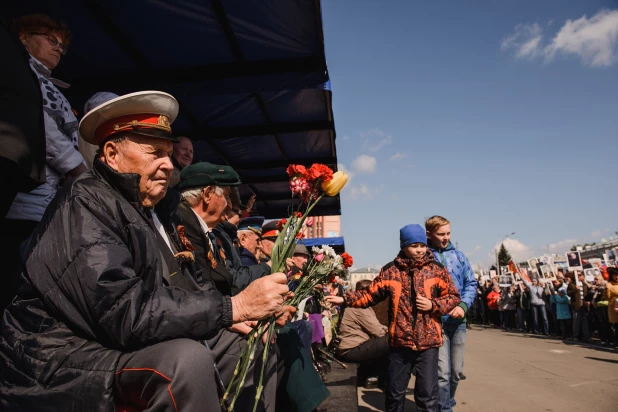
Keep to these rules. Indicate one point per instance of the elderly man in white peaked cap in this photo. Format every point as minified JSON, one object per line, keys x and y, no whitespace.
{"x":108,"y":313}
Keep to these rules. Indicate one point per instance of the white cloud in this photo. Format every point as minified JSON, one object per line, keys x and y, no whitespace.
{"x":476,"y":249}
{"x":562,"y":245}
{"x":397,"y":156}
{"x":341,"y":166}
{"x":364,"y":164}
{"x":594,"y":40}
{"x":518,"y":250}
{"x":375,"y":139}
{"x":360,"y":192}
{"x":525,"y":40}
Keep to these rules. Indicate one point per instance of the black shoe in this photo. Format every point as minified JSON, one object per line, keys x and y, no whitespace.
{"x":462,"y":377}
{"x":371,"y":382}
{"x":322,"y":367}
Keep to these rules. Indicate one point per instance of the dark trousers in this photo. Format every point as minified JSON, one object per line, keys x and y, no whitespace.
{"x":580,"y":324}
{"x":494,"y":316}
{"x":372,"y":356}
{"x":509,"y":319}
{"x":528,"y":318}
{"x":604,"y":327}
{"x":169,"y":376}
{"x":374,"y":348}
{"x":401,"y":361}
{"x":227,"y":347}
{"x":567,"y":326}
{"x":12,"y":234}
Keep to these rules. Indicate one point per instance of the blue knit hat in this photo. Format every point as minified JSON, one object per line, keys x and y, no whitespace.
{"x":412,"y":234}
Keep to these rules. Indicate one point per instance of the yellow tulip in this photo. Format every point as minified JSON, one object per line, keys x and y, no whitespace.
{"x":334,"y":186}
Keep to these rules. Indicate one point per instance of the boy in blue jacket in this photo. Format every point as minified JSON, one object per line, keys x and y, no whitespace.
{"x":451,"y":357}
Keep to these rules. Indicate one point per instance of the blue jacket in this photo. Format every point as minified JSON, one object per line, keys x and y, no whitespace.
{"x":461,"y":272}
{"x":562,"y":306}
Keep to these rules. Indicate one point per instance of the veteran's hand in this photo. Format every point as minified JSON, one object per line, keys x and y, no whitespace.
{"x":286,"y":315}
{"x":262,"y":298}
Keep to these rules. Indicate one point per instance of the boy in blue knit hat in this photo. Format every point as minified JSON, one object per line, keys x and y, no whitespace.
{"x":421,"y":291}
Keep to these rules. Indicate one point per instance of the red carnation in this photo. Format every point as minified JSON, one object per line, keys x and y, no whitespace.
{"x":281,"y":223}
{"x":296,"y":170}
{"x":320,"y":171}
{"x":300,"y":235}
{"x":347,"y":260}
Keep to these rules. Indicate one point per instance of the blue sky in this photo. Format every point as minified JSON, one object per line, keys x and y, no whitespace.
{"x":500,"y":115}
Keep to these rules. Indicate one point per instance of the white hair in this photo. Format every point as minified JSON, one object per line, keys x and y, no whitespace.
{"x":192,"y":196}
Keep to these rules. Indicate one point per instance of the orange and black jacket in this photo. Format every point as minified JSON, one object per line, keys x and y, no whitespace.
{"x":403,"y":280}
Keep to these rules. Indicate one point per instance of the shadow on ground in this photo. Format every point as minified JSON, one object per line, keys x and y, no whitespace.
{"x":375,"y":399}
{"x":549,"y":339}
{"x":603,"y":360}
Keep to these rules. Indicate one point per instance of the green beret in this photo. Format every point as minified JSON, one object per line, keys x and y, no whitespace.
{"x":206,"y":174}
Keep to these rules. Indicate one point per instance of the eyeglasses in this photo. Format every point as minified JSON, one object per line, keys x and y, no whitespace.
{"x":53,"y":41}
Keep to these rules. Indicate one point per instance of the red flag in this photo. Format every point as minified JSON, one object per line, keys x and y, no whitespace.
{"x":524,"y":274}
{"x":512,"y":267}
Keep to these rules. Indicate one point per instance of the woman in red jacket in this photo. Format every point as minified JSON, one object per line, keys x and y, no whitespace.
{"x":492,"y":304}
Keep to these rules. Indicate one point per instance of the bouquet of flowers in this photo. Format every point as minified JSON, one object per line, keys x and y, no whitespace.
{"x":310,"y":185}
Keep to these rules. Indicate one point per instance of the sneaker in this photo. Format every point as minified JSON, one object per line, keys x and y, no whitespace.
{"x":462,"y":377}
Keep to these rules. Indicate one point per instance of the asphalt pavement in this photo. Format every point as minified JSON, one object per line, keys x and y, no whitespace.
{"x":518,"y":372}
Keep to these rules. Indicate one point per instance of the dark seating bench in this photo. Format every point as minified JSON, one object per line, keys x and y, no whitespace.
{"x":342,"y":384}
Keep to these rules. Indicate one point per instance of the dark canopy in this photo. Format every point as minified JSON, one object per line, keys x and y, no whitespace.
{"x":250,"y":77}
{"x":336,"y":243}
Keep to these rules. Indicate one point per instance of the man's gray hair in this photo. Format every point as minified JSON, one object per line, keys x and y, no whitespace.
{"x":192,"y":196}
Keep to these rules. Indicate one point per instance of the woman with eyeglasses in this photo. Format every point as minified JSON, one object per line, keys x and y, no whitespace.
{"x":46,"y":40}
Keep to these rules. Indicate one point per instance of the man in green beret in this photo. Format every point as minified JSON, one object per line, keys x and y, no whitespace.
{"x":205,"y":189}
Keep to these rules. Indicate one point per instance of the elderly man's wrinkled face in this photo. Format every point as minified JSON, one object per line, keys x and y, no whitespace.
{"x":183,"y":151}
{"x":267,"y":245}
{"x":217,"y":205}
{"x":300,"y":260}
{"x":250,"y":241}
{"x":45,"y":47}
{"x":148,"y":157}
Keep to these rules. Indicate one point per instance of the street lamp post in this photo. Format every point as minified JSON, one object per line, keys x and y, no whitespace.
{"x":497,"y":253}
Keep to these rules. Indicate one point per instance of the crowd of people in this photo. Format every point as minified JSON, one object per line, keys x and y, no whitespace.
{"x":133,"y":274}
{"x":568,"y":307}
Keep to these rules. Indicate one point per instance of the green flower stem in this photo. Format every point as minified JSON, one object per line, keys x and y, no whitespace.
{"x":260,"y":387}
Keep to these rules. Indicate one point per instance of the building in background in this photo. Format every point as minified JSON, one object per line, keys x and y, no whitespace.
{"x":324,"y":226}
{"x":362,"y":273}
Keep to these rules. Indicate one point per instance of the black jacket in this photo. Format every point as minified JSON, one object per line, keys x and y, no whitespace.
{"x":22,"y":131}
{"x":97,"y":284}
{"x":228,"y":279}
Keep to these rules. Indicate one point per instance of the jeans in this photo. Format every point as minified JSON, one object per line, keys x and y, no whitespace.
{"x":450,"y":363}
{"x":536,"y":311}
{"x":401,"y":361}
